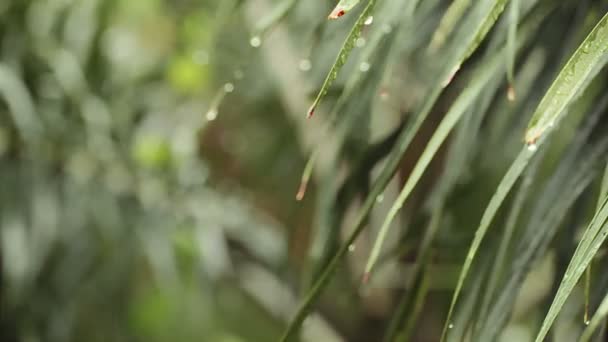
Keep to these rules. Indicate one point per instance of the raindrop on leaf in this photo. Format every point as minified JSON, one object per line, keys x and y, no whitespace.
{"x":229,"y":87}
{"x":364,"y":67}
{"x":360,"y":42}
{"x":305,"y":65}
{"x":255,"y":41}
{"x":211,"y":114}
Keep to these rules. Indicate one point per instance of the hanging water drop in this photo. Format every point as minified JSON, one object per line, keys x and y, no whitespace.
{"x":532,"y":147}
{"x":228,"y":87}
{"x":587,"y":322}
{"x":364,"y":67}
{"x":369,"y":20}
{"x":360,"y":42}
{"x":211,"y":114}
{"x":450,"y":326}
{"x":305,"y":65}
{"x":380,"y":198}
{"x":255,"y":41}
{"x":351,"y":248}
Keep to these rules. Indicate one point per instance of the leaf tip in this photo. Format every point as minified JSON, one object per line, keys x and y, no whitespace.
{"x":365,"y":278}
{"x":311,"y":111}
{"x":302,"y":190}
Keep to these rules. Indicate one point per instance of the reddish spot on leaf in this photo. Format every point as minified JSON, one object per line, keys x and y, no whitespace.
{"x":337,"y":13}
{"x":311,"y":111}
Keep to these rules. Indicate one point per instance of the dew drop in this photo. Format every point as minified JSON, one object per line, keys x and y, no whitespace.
{"x":255,"y":41}
{"x":305,"y":65}
{"x":212,"y":114}
{"x":364,"y":67}
{"x":380,"y":198}
{"x":450,"y":326}
{"x":369,"y":20}
{"x":532,"y":147}
{"x":351,"y":248}
{"x":228,"y":87}
{"x":360,"y":42}
{"x":587,"y":322}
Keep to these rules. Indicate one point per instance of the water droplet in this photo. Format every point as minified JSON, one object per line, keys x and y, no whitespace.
{"x":351,"y":248}
{"x":212,"y":114}
{"x":305,"y":65}
{"x":450,"y":326}
{"x":369,"y":20}
{"x":228,"y":87}
{"x":255,"y":41}
{"x":380,"y":198}
{"x":532,"y":147}
{"x":360,"y":42}
{"x":587,"y":322}
{"x":364,"y":66}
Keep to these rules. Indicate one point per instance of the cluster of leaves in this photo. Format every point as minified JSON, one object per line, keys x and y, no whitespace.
{"x":458,"y":150}
{"x":478,"y":76}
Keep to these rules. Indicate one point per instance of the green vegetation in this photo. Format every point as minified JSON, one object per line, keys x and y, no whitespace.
{"x":162,"y":180}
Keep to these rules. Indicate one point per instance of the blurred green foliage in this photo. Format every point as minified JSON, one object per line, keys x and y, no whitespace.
{"x":151,"y":150}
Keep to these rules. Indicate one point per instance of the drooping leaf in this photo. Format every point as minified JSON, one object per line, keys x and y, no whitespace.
{"x":594,"y":236}
{"x":345,"y":51}
{"x":589,"y":56}
{"x":448,"y":22}
{"x":482,"y":19}
{"x":464,"y":101}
